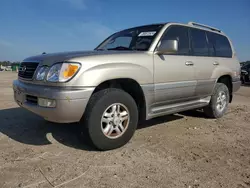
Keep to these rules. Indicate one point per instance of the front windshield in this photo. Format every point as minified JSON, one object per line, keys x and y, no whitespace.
{"x":139,"y":38}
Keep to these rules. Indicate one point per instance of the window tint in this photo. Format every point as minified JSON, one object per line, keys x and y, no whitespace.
{"x":199,"y":42}
{"x":180,"y":34}
{"x":137,"y":38}
{"x":120,"y":41}
{"x":142,"y":43}
{"x":221,"y":45}
{"x":211,"y":49}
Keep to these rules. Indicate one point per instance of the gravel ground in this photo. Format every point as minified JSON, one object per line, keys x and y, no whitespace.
{"x":181,"y":150}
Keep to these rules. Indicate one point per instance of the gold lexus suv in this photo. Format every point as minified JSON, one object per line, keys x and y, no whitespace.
{"x":135,"y":74}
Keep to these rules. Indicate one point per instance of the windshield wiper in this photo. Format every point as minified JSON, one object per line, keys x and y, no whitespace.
{"x":119,"y":48}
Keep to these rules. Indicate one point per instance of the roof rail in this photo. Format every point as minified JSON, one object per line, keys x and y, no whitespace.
{"x":204,"y":26}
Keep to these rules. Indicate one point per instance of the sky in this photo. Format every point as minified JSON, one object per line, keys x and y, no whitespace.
{"x":31,"y":27}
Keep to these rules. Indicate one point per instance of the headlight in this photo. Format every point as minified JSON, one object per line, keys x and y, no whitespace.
{"x":41,"y":73}
{"x":62,"y":72}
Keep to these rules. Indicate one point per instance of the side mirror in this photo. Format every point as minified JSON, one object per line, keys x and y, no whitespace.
{"x":167,"y":47}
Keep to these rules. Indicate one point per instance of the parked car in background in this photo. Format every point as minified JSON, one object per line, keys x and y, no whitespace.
{"x":138,"y":73}
{"x":245,"y":73}
{"x":5,"y":68}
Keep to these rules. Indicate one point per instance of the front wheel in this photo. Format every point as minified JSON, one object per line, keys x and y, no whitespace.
{"x":110,"y":118}
{"x":219,"y":101}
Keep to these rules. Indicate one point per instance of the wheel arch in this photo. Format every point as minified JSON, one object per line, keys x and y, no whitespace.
{"x":227,"y":80}
{"x":130,"y":86}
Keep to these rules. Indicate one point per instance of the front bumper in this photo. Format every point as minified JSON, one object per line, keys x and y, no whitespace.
{"x":70,"y":102}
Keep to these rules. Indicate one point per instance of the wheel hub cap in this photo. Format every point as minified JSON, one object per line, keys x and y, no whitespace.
{"x":221,"y":101}
{"x":115,"y":120}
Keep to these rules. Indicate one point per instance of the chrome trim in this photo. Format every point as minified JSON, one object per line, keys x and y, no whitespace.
{"x":116,"y":119}
{"x":32,"y":78}
{"x":179,"y":105}
{"x":174,"y":91}
{"x":221,"y":102}
{"x":171,"y":85}
{"x":168,"y":97}
{"x":204,"y":26}
{"x":30,"y":61}
{"x":175,"y":108}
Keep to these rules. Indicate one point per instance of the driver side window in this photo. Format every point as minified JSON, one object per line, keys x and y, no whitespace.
{"x":179,"y":33}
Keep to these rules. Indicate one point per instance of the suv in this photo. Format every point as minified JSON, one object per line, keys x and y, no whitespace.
{"x":245,"y":73}
{"x":135,"y":74}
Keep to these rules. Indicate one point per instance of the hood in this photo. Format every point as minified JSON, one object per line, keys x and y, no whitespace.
{"x":49,"y":59}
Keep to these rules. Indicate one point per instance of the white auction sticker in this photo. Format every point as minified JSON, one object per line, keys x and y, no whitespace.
{"x":148,"y":33}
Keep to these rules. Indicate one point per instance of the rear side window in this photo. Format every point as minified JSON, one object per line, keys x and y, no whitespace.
{"x":199,"y":42}
{"x":179,"y":33}
{"x":221,"y":45}
{"x":211,"y":48}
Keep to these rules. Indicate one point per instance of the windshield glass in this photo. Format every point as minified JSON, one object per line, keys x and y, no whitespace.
{"x":139,"y":38}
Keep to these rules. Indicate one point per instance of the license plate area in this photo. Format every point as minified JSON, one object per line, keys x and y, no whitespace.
{"x":18,"y":95}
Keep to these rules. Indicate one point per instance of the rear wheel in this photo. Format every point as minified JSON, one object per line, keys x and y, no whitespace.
{"x":110,"y":119}
{"x":219,"y":102}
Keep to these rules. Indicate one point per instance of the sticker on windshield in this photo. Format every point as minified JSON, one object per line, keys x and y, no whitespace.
{"x":148,"y":33}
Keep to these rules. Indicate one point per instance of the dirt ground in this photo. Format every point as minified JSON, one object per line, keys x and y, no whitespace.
{"x":181,"y":150}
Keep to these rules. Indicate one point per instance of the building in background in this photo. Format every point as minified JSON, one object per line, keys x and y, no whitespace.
{"x":13,"y":67}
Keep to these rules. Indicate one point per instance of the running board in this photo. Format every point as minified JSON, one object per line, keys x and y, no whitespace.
{"x":174,"y":108}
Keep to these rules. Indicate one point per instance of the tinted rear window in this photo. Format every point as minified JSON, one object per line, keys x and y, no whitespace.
{"x":221,"y":45}
{"x":199,"y":42}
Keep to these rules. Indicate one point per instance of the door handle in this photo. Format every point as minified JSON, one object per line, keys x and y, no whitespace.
{"x":215,"y":63}
{"x":189,"y":63}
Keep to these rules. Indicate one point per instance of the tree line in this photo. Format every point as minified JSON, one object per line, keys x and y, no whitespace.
{"x":9,"y":63}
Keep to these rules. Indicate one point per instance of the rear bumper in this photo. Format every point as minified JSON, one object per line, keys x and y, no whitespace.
{"x":70,"y":102}
{"x":236,"y":85}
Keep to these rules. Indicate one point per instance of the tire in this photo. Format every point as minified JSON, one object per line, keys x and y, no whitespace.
{"x":242,"y":80}
{"x":246,"y":78}
{"x":94,"y":127}
{"x":213,"y":110}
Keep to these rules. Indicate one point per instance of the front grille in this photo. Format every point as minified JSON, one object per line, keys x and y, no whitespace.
{"x":27,"y":70}
{"x":31,"y":99}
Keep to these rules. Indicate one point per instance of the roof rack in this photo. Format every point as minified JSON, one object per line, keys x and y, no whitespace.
{"x":204,"y":26}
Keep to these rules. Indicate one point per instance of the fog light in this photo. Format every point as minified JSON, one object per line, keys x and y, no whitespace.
{"x":46,"y":102}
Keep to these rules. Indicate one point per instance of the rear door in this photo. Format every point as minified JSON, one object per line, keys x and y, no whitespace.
{"x":204,"y":62}
{"x":223,"y":53}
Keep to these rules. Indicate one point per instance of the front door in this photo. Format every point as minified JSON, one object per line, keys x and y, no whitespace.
{"x":174,"y":74}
